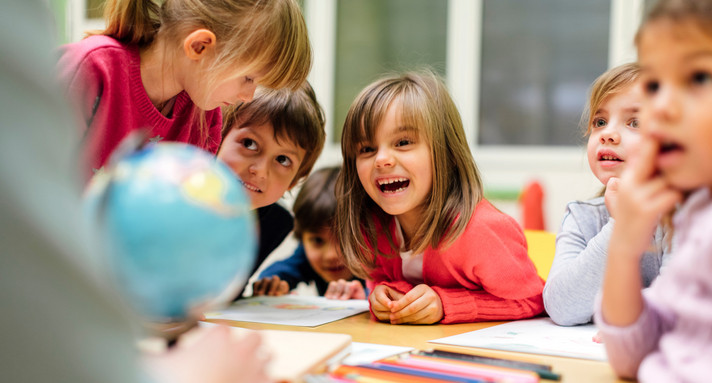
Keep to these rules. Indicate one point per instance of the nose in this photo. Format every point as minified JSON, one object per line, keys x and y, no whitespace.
{"x":258,"y":168}
{"x":247,"y":92}
{"x":665,"y":105}
{"x":610,"y":135}
{"x":384,"y":158}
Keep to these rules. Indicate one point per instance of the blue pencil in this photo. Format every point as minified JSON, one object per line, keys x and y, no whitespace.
{"x":422,"y":373}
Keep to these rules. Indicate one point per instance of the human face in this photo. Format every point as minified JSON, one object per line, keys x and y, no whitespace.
{"x":614,"y":133}
{"x":396,"y":169}
{"x":235,"y":89}
{"x":266,"y":167}
{"x":324,"y":256}
{"x":676,"y":113}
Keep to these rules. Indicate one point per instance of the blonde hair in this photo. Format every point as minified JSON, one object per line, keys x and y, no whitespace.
{"x":612,"y":82}
{"x":294,"y":115}
{"x":251,"y":35}
{"x":425,"y":105}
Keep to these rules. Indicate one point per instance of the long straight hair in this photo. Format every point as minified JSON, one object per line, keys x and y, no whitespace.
{"x":426,"y":105}
{"x":252,"y":35}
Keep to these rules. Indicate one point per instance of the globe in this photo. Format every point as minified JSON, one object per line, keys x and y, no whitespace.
{"x":176,"y":226}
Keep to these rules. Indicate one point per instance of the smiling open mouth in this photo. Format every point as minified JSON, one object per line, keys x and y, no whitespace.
{"x":609,"y":157}
{"x":394,"y":185}
{"x":250,"y":187}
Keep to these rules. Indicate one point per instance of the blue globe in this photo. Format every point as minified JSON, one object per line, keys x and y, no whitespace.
{"x":177,"y":226}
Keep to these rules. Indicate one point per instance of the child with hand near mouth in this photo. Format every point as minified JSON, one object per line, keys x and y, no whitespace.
{"x":613,"y":134}
{"x":411,"y":216}
{"x":664,"y":334}
{"x":318,"y":257}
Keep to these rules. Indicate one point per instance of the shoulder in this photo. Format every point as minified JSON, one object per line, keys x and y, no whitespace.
{"x":488,"y":218}
{"x":94,"y":48}
{"x":92,"y":55}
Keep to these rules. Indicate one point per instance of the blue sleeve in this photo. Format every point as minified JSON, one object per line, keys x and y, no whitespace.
{"x":293,"y":270}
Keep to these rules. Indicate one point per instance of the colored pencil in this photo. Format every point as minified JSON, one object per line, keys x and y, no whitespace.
{"x":544,"y":371}
{"x":465,"y":369}
{"x":424,"y":373}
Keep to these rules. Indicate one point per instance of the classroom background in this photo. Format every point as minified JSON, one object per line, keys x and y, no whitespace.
{"x":519,"y":71}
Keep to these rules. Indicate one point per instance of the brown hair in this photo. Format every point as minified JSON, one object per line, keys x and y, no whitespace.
{"x":315,"y":205}
{"x":609,"y":83}
{"x":251,"y":35}
{"x":678,"y":11}
{"x":425,"y":105}
{"x":294,"y":115}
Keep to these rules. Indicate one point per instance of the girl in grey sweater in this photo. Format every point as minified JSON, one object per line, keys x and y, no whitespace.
{"x":576,"y":274}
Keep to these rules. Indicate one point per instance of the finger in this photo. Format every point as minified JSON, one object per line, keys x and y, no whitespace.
{"x":407,"y":299}
{"x":274,"y":286}
{"x":335,"y":289}
{"x":348,"y":291}
{"x":643,"y":160}
{"x":612,"y":185}
{"x":258,"y":288}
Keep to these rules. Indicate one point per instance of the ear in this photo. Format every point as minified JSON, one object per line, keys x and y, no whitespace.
{"x":198,"y":43}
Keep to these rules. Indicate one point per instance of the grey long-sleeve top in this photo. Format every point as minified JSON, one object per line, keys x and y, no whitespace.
{"x":579,"y":263}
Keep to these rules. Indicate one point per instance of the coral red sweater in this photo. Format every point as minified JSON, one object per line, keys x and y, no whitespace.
{"x":484,"y":275}
{"x":103,"y":78}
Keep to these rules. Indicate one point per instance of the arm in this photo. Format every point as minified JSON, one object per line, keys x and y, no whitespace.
{"x":576,"y":274}
{"x":292,"y":270}
{"x":491,"y":263}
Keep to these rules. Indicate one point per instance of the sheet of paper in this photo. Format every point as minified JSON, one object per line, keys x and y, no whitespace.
{"x":536,"y":336}
{"x":291,"y":310}
{"x":362,"y":353}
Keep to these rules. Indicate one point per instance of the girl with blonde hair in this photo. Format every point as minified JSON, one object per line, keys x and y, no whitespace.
{"x":411,"y":217}
{"x":169,"y":66}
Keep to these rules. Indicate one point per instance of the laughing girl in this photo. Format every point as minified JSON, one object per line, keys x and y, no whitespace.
{"x":411,"y":217}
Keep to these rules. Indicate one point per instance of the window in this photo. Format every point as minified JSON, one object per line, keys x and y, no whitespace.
{"x":374,"y":37}
{"x":539,"y":58}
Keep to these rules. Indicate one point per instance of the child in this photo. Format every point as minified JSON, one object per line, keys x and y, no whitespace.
{"x":168,"y":66}
{"x":665,"y":334}
{"x":272,"y":143}
{"x":411,"y":216}
{"x":582,"y":243}
{"x":318,"y":257}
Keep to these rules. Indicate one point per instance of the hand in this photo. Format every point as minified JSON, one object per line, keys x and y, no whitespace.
{"x":642,"y":197}
{"x":272,"y":286}
{"x":212,"y":355}
{"x":343,"y":290}
{"x":611,"y":195}
{"x":597,"y":338}
{"x":380,"y":300}
{"x":421,"y":305}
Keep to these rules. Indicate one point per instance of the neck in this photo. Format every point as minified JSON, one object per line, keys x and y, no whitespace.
{"x":158,"y":74}
{"x":409,"y":225}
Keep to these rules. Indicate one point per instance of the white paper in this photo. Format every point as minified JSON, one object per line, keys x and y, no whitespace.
{"x":536,"y":336}
{"x":291,"y":310}
{"x":363,"y":353}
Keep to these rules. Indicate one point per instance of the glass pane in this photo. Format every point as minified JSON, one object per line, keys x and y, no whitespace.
{"x":539,"y":58}
{"x":95,"y":9}
{"x":380,"y":36}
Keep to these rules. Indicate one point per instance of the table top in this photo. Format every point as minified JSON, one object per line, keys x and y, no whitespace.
{"x":363,"y":329}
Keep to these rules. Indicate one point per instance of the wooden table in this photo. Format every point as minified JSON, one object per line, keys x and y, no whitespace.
{"x":363,"y":329}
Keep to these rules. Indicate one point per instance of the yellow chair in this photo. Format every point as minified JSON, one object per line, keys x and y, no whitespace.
{"x":541,"y":250}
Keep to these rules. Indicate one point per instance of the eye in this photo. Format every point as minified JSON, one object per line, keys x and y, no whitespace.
{"x":317,"y":240}
{"x":249,"y":80}
{"x":599,"y":122}
{"x":249,"y":144}
{"x":633,"y":123}
{"x":284,"y":161}
{"x":651,"y":87}
{"x":701,"y":78}
{"x":404,"y":142}
{"x":365,"y":149}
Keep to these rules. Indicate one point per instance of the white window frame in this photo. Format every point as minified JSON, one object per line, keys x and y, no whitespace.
{"x":562,"y":170}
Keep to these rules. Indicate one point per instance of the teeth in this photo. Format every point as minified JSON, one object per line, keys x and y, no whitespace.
{"x":386,"y":182}
{"x":609,"y":158}
{"x":250,"y":187}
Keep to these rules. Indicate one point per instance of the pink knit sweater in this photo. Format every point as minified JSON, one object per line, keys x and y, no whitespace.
{"x":103,"y":78}
{"x":485,"y":275}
